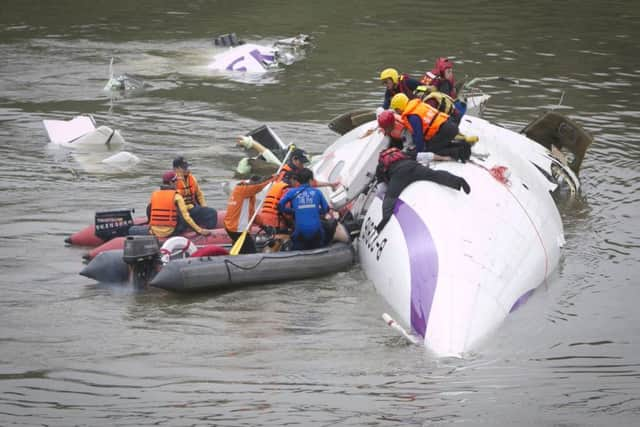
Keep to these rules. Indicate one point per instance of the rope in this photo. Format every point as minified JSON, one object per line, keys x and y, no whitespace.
{"x":293,"y":255}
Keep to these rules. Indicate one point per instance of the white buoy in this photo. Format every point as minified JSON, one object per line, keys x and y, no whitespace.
{"x":393,"y":324}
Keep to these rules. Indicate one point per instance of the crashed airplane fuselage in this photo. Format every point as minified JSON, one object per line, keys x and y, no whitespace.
{"x":450,"y":265}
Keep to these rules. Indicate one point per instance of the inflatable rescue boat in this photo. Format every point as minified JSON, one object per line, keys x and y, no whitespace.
{"x":178,"y":267}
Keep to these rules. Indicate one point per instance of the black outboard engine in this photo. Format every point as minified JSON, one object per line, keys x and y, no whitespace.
{"x":142,"y":254}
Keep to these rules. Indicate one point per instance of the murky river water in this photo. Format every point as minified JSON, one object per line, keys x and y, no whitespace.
{"x":313,"y":352}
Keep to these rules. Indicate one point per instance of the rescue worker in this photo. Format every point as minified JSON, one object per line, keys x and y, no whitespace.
{"x":391,"y":125}
{"x":240,"y":209}
{"x":188,"y":187}
{"x":308,"y":206}
{"x":441,"y":77}
{"x":296,"y":163}
{"x":397,"y":83}
{"x":444,"y":103}
{"x":397,"y":170}
{"x":431,"y":130}
{"x":167,"y":212}
{"x":269,"y":215}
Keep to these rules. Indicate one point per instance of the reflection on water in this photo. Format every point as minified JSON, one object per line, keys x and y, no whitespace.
{"x":311,"y":352}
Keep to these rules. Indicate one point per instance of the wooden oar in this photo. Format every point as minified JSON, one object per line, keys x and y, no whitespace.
{"x":235,"y":249}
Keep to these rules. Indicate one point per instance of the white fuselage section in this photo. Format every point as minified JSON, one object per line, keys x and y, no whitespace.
{"x":250,"y":58}
{"x":451,"y":265}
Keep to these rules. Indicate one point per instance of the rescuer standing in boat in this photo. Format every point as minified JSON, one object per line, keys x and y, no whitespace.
{"x":240,"y":209}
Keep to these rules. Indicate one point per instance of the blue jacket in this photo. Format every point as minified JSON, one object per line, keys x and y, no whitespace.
{"x":307,"y":206}
{"x":418,"y":133}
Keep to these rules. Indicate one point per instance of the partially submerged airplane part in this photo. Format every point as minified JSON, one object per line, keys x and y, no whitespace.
{"x":452,"y":266}
{"x":255,"y":58}
{"x":553,"y":130}
{"x":122,"y":160}
{"x":90,"y":144}
{"x":81,"y":132}
{"x":352,"y":161}
{"x":123,"y":82}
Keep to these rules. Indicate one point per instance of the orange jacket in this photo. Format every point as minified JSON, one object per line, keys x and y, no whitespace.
{"x":163,"y":217}
{"x":398,"y":127}
{"x":431,"y":118}
{"x":163,"y":209}
{"x":190,"y":191}
{"x":269,"y":214}
{"x":286,"y":169}
{"x":242,"y":205}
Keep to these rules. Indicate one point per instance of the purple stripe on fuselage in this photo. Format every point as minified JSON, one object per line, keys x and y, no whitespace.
{"x":523,"y":298}
{"x":423,"y":262}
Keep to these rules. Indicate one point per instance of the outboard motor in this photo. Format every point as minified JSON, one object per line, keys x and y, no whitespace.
{"x":142,"y":254}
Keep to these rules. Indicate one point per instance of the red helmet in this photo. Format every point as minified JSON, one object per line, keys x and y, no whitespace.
{"x":441,"y":65}
{"x":386,"y":119}
{"x":168,"y":177}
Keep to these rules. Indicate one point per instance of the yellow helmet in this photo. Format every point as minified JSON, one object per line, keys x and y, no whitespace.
{"x":390,"y":73}
{"x":399,"y":101}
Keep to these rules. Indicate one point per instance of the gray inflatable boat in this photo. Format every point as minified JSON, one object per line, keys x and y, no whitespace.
{"x":225,"y":272}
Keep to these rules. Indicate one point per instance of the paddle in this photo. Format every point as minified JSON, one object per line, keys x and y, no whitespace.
{"x":235,"y":249}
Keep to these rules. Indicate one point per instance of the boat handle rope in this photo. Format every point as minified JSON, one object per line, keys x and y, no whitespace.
{"x":228,"y":261}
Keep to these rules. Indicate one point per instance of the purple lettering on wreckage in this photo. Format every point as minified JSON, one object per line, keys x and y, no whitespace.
{"x":255,"y":53}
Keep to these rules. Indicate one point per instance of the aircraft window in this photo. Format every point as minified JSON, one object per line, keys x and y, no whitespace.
{"x":335,"y":173}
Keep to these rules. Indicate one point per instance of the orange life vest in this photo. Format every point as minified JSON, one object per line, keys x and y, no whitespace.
{"x":241,"y":205}
{"x":269,"y":215}
{"x":188,"y":190}
{"x":163,"y":209}
{"x":398,"y":127}
{"x":286,"y":169}
{"x":428,"y":78}
{"x":431,"y":118}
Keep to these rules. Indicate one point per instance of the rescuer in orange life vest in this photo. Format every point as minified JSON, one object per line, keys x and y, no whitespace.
{"x":390,"y":124}
{"x":441,"y":77}
{"x":269,"y":215}
{"x":188,"y":187}
{"x":241,"y":207}
{"x":296,"y":163}
{"x":167,"y":212}
{"x":431,"y":130}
